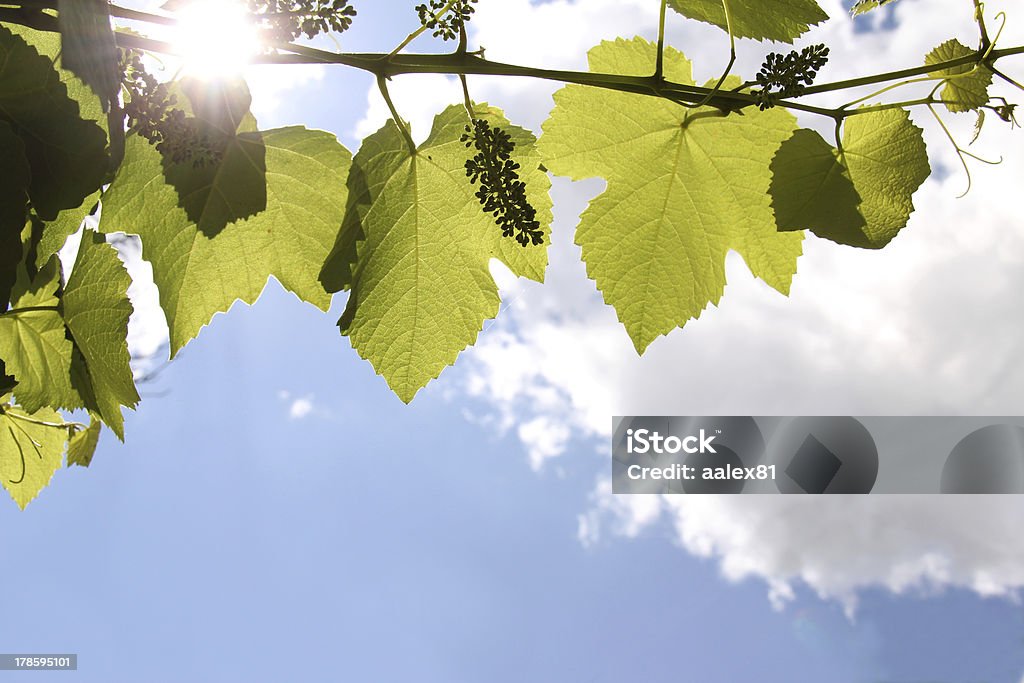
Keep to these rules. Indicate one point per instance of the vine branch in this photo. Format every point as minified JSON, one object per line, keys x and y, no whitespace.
{"x":384,"y":66}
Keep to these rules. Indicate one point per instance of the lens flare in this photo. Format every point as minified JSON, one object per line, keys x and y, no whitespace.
{"x":215,"y":38}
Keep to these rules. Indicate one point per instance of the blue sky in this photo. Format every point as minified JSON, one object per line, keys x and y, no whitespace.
{"x":373,"y":541}
{"x":226,"y":542}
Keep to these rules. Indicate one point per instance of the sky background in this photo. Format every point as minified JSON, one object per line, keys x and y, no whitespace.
{"x":277,"y":514}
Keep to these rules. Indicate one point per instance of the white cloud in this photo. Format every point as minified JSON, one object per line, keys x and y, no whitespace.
{"x":417,"y":98}
{"x":301,"y":407}
{"x":147,"y":327}
{"x":926,"y":326}
{"x":271,"y":84}
{"x":148,"y":333}
{"x":544,"y":438}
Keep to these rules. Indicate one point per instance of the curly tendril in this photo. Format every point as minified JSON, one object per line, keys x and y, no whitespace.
{"x":501,"y":191}
{"x":783,"y":76}
{"x":447,"y":25}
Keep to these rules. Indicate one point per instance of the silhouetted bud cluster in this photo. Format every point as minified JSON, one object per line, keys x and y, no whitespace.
{"x":286,"y":20}
{"x":151,"y":111}
{"x":783,"y":76}
{"x":501,"y":191}
{"x":448,"y":25}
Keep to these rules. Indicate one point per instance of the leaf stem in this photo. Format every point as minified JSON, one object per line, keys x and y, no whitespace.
{"x":461,"y":50}
{"x":28,"y":309}
{"x":659,"y":65}
{"x":1006,"y":78}
{"x":895,"y":105}
{"x":886,"y":89}
{"x":418,"y":32}
{"x":979,"y":16}
{"x":732,"y":57}
{"x":41,"y":423}
{"x":382,"y":84}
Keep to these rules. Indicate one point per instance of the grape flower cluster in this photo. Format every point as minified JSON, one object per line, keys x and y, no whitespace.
{"x":501,"y":191}
{"x":286,"y":20}
{"x":448,"y":25}
{"x":783,"y":76}
{"x":152,"y":113}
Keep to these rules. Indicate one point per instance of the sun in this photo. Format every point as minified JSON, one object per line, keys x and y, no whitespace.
{"x":215,"y":38}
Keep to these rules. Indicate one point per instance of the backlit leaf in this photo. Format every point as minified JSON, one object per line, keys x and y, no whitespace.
{"x":29,"y":452}
{"x":967,"y":87}
{"x":684,"y":188}
{"x":421,"y":289}
{"x":67,"y":154}
{"x":862,"y":198}
{"x":96,"y":310}
{"x":200,"y":274}
{"x":781,"y":20}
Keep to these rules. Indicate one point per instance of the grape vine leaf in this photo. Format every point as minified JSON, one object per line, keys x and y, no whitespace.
{"x":967,"y":87}
{"x":215,"y":195}
{"x":89,"y":49}
{"x":781,"y":20}
{"x":862,"y":197}
{"x":48,"y":44}
{"x":56,"y":232}
{"x":96,"y":311}
{"x":29,"y":452}
{"x":82,"y":444}
{"x":864,"y":6}
{"x":684,"y":187}
{"x":199,"y":275}
{"x":420,"y":287}
{"x":14,"y":170}
{"x":67,"y":154}
{"x":34,"y":346}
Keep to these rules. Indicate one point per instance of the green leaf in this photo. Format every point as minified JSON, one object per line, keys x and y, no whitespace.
{"x":966,"y":86}
{"x":56,"y":232}
{"x":47,"y":44}
{"x":67,"y":154}
{"x":781,"y":20}
{"x":684,"y":187}
{"x":96,"y":310}
{"x":88,"y":46}
{"x":82,"y":444}
{"x":199,"y":275}
{"x":29,"y":452}
{"x":864,"y":6}
{"x":421,"y":288}
{"x":14,"y":170}
{"x":812,"y":190}
{"x":217,"y":194}
{"x":862,"y":198}
{"x":34,"y":346}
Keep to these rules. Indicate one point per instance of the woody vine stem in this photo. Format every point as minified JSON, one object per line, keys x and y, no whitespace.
{"x":462,"y":62}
